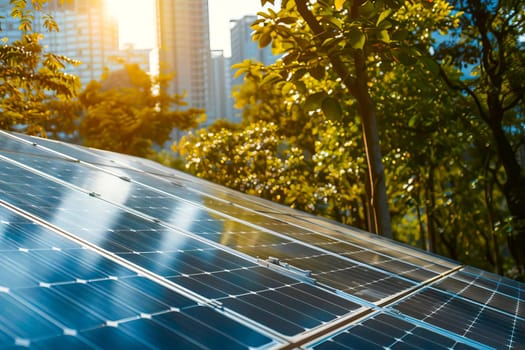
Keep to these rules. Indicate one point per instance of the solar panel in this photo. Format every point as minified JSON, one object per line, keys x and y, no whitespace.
{"x":102,"y":250}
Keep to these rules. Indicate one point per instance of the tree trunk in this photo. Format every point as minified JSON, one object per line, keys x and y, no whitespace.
{"x":377,"y":183}
{"x":430,"y":206}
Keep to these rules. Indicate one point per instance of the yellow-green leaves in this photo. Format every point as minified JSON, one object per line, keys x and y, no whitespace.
{"x":339,"y":4}
{"x":321,"y":100}
{"x":356,"y":38}
{"x":332,"y":109}
{"x":264,"y":39}
{"x":314,"y":101}
{"x":383,"y":15}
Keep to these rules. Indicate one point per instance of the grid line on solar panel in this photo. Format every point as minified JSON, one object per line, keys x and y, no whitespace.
{"x":397,"y":263}
{"x":367,"y":290}
{"x":479,"y":289}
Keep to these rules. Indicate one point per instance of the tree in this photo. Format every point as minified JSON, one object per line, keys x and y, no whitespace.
{"x":345,"y":37}
{"x":489,"y":44}
{"x":124,"y":113}
{"x":30,"y":78}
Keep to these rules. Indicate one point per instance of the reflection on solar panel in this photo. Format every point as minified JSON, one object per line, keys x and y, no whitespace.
{"x":103,"y":250}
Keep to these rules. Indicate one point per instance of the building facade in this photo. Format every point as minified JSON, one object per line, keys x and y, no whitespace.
{"x":184,"y":48}
{"x":221,"y":101}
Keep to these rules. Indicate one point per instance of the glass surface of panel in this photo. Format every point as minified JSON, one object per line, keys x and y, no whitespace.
{"x":52,"y":281}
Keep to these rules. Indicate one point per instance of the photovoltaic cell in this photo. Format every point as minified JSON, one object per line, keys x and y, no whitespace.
{"x":482,"y":290}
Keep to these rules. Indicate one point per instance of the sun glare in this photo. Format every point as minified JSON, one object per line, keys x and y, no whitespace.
{"x":136,"y":19}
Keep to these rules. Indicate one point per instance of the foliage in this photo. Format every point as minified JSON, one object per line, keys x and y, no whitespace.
{"x":124,"y":114}
{"x":445,"y":178}
{"x":489,"y":51}
{"x":32,"y":81}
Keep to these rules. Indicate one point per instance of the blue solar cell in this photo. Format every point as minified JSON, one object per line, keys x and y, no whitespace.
{"x":32,"y":270}
{"x":264,"y":317}
{"x":134,"y":338}
{"x":497,"y":296}
{"x":110,"y":299}
{"x":23,"y":322}
{"x":67,"y":312}
{"x":242,"y":334}
{"x":458,"y":315}
{"x":383,"y":331}
{"x":285,"y":299}
{"x":158,"y":292}
{"x":6,"y":341}
{"x":90,"y":292}
{"x":197,"y":322}
{"x":62,"y":342}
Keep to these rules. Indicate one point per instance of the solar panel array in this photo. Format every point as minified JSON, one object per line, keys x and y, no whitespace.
{"x":104,"y":250}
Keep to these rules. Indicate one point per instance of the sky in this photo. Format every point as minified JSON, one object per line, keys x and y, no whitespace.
{"x":136,"y":20}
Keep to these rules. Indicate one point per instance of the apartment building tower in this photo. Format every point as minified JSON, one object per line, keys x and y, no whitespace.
{"x":184,"y":48}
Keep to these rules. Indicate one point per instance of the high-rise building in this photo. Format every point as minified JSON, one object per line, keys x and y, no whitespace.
{"x":184,"y":48}
{"x":221,"y":101}
{"x":242,"y":48}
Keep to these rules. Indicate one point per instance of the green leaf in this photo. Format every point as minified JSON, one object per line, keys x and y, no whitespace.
{"x":412,"y":121}
{"x":384,"y":15}
{"x":264,"y":39}
{"x":357,"y":38}
{"x":430,"y":64}
{"x":404,"y":56}
{"x":300,"y":86}
{"x":367,"y":9}
{"x":400,"y":35}
{"x":271,"y":78}
{"x":383,"y":36}
{"x":314,"y":102}
{"x":318,"y":72}
{"x":332,"y":109}
{"x":339,"y":4}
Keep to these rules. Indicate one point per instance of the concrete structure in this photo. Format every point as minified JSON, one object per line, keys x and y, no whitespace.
{"x":221,"y":101}
{"x":184,"y":48}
